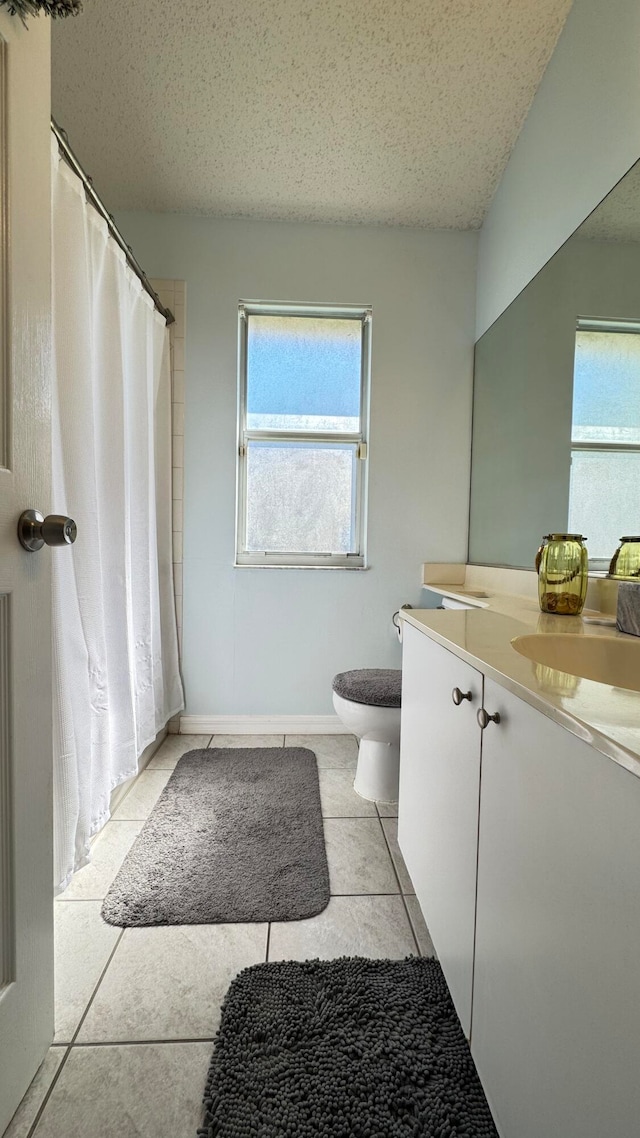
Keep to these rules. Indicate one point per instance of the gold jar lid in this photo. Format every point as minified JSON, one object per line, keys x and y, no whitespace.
{"x":567,"y":537}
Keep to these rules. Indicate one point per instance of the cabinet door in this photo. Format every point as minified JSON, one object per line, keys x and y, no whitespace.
{"x":438,"y":807}
{"x":556,"y":1005}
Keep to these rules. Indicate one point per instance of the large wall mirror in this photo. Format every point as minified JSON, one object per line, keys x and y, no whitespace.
{"x":556,"y":407}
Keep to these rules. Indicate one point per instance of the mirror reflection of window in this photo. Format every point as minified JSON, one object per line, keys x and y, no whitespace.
{"x":604,"y":496}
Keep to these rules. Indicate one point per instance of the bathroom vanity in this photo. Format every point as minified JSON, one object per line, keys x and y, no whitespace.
{"x":519,"y":821}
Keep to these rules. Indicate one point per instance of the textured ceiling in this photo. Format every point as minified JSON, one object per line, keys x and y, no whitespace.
{"x":617,"y":218}
{"x":396,"y":112}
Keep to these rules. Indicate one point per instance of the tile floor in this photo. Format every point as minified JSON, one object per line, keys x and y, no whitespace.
{"x":137,"y":1009}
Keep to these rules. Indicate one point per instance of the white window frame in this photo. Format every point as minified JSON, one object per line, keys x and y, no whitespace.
{"x":295,"y":560}
{"x":597,"y":324}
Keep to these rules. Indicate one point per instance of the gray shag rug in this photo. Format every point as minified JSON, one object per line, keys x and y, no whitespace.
{"x":348,"y":1048}
{"x":236,"y":835}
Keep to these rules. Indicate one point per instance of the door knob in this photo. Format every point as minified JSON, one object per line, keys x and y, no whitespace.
{"x":458,"y":696}
{"x":484,"y":719}
{"x":34,"y":530}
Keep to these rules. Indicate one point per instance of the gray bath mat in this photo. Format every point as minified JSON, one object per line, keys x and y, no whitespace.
{"x":346,"y":1048}
{"x":236,"y":835}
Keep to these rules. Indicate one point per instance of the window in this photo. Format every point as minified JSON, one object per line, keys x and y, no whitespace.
{"x":604,"y":495}
{"x":302,"y":446}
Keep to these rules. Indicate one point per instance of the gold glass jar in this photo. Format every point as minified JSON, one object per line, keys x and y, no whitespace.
{"x":625,"y":562}
{"x":562,"y":565}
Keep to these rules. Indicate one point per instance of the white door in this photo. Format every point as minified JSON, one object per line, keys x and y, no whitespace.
{"x":26,"y":918}
{"x":439,"y":800}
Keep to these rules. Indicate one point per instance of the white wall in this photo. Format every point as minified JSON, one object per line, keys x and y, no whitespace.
{"x":268,"y":641}
{"x":581,"y":135}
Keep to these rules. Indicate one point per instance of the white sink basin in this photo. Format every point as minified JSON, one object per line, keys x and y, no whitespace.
{"x":607,"y":659}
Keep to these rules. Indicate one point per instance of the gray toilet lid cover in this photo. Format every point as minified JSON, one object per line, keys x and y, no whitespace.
{"x":378,"y":687}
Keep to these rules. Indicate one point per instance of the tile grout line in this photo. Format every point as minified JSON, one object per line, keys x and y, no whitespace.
{"x":78,"y":900}
{"x":378,"y":893}
{"x":326,"y":817}
{"x":351,"y":817}
{"x":141,"y":1042}
{"x":69,"y":1046}
{"x":117,"y":1043}
{"x":47,"y":1096}
{"x":134,"y":781}
{"x":351,"y":769}
{"x":215,"y":924}
{"x":404,"y":903}
{"x":154,"y":770}
{"x":157,"y":767}
{"x":112,"y":822}
{"x":413,"y":931}
{"x":72,"y":1044}
{"x":95,"y":990}
{"x":228,"y":747}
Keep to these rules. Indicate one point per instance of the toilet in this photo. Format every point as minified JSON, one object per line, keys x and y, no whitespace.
{"x":367,"y":700}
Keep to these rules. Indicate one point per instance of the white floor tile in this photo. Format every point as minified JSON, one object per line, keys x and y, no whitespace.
{"x":143,"y":796}
{"x":169,"y":982}
{"x":128,"y":1092}
{"x":339,"y":799}
{"x":358,"y":857}
{"x":420,"y":929}
{"x":173,"y":748}
{"x":330,"y":750}
{"x":375,"y":927}
{"x":390,"y":827}
{"x":107,"y":855}
{"x":83,"y":944}
{"x":25,"y":1115}
{"x":247,"y":741}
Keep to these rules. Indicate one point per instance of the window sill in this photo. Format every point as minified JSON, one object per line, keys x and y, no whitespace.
{"x":322,"y":568}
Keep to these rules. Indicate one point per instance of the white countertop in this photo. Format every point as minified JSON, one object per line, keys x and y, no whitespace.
{"x":606,"y":717}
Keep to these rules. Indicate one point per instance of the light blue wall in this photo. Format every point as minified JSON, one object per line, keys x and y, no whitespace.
{"x":581,"y":136}
{"x":268,"y":641}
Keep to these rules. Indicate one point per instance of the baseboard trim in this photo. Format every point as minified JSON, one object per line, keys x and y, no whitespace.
{"x":261,"y":725}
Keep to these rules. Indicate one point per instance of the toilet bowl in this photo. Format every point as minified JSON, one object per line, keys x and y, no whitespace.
{"x":367,"y":701}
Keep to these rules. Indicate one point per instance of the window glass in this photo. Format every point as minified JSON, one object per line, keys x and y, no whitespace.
{"x":301,"y":497}
{"x":303,"y":373}
{"x":604,"y":500}
{"x":606,"y":387}
{"x":302,"y":453}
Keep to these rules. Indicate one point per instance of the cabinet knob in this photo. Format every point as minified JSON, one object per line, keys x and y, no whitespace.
{"x":458,"y":696}
{"x":484,"y":719}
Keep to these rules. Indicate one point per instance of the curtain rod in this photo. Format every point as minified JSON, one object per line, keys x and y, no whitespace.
{"x":97,"y":202}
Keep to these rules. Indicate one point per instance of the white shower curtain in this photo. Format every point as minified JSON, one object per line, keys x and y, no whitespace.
{"x":115,"y":650}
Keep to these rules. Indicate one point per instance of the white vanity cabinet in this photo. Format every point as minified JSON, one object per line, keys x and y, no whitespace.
{"x":438,"y":801}
{"x":556,"y":997}
{"x":523,"y":844}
